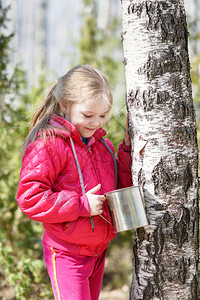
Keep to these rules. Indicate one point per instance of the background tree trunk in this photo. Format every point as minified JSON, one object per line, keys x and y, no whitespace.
{"x":159,"y":100}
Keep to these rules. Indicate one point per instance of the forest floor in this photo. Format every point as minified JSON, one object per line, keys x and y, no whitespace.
{"x":117,"y":275}
{"x":119,"y":294}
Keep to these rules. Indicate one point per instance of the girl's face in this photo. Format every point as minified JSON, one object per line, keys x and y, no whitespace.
{"x":88,"y":116}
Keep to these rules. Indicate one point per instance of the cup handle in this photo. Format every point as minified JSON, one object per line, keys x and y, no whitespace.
{"x":105,"y":219}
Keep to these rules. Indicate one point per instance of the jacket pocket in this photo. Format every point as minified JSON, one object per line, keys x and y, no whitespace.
{"x":69,"y":227}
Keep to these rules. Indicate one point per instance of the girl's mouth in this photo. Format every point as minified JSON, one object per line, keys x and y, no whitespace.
{"x":91,"y":129}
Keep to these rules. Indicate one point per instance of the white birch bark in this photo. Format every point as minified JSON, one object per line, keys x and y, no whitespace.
{"x":159,"y":101}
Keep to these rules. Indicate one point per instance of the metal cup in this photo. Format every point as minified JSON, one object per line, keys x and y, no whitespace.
{"x":127,"y":208}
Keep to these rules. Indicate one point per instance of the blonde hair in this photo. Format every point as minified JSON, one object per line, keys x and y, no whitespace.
{"x":80,"y":84}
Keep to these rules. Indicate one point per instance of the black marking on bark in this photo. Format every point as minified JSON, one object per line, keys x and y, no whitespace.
{"x":188,"y":179}
{"x":152,"y":98}
{"x":158,"y":206}
{"x":136,"y":8}
{"x":122,"y":35}
{"x":133,"y":98}
{"x":165,"y":176}
{"x":184,"y":134}
{"x":141,"y":234}
{"x":148,"y":99}
{"x":161,"y":178}
{"x":194,"y":288}
{"x":179,"y":109}
{"x":148,"y":291}
{"x":175,"y":83}
{"x":125,"y":61}
{"x":167,"y":218}
{"x":136,"y":261}
{"x":159,"y":239}
{"x":181,"y":227}
{"x":182,"y":110}
{"x":183,"y":270}
{"x":168,"y":62}
{"x":141,"y":178}
{"x":178,"y":271}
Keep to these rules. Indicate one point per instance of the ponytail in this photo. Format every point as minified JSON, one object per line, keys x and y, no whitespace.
{"x":42,"y":115}
{"x":48,"y":106}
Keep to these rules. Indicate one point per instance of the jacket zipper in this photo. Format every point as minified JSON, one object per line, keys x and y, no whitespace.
{"x":89,"y":150}
{"x":91,"y":219}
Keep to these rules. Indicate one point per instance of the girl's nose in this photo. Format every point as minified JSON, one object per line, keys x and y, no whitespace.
{"x":96,"y":122}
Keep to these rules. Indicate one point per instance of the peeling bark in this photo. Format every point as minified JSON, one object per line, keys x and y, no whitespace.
{"x":159,"y":101}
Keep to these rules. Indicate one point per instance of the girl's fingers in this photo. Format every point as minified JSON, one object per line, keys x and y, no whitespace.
{"x":94,"y":189}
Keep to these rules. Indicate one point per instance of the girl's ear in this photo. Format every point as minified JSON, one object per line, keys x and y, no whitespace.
{"x":65,"y":111}
{"x":63,"y":108}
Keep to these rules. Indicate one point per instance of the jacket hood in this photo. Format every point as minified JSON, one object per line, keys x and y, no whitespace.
{"x":67,"y":129}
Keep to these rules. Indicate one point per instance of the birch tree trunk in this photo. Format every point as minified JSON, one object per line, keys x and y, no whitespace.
{"x":165,"y":154}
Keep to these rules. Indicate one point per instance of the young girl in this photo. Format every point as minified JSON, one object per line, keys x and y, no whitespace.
{"x":67,"y":168}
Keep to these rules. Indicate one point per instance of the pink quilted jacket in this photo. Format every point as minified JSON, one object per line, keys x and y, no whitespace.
{"x":49,"y":189}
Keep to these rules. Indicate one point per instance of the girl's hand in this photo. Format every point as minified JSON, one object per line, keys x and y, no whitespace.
{"x":127,"y":140}
{"x":95,"y":201}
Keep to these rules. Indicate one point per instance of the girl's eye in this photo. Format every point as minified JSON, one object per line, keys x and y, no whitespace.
{"x":87,"y":116}
{"x":103,"y":116}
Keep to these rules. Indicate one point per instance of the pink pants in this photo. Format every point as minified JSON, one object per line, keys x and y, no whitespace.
{"x":73,"y":276}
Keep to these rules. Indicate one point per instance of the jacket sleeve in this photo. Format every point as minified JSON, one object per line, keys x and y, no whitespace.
{"x":41,"y":165}
{"x":124,"y":166}
{"x":124,"y":162}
